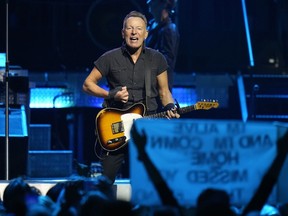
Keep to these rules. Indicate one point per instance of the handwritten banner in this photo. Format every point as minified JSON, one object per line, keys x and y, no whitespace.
{"x":194,"y":155}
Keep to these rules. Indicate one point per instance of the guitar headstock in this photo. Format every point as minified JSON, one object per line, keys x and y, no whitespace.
{"x":206,"y":104}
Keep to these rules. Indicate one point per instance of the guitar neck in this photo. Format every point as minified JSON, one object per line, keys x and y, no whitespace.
{"x":187,"y":109}
{"x":180,"y":111}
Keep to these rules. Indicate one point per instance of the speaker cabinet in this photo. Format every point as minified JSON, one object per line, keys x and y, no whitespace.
{"x":17,"y":143}
{"x":18,"y":151}
{"x":40,"y":137}
{"x":50,"y":164}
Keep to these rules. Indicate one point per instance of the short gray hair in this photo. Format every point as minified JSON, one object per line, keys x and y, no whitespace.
{"x":135,"y":14}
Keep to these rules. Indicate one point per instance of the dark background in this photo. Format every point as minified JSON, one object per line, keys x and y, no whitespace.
{"x":61,"y":38}
{"x":53,"y":35}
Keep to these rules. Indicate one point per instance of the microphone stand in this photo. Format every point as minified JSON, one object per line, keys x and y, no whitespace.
{"x":7,"y":98}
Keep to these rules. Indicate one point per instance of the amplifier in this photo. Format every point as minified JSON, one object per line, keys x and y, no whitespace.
{"x":50,"y":164}
{"x":40,"y":137}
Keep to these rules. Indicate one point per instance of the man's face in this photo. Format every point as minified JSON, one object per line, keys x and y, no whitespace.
{"x":134,"y":32}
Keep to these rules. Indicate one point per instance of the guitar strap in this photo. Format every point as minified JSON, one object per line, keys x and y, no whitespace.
{"x":147,"y":81}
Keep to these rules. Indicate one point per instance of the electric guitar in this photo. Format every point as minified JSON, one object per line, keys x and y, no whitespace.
{"x":113,"y":125}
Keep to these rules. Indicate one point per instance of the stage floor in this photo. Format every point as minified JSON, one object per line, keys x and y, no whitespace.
{"x":123,"y":186}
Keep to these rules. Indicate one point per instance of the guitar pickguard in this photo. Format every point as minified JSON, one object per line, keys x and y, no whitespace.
{"x":127,"y":121}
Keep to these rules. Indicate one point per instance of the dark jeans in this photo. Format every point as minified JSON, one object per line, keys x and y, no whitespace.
{"x":114,"y":162}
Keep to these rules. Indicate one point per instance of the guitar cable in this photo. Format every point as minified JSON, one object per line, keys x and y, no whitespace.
{"x":96,"y":151}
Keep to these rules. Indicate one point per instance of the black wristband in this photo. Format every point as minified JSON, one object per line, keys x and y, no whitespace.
{"x":169,"y":106}
{"x":113,"y":92}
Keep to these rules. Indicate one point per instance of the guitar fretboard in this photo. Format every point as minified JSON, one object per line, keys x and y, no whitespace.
{"x":156,"y":115}
{"x":180,"y":111}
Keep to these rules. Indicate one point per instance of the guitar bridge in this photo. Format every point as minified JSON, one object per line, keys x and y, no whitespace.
{"x":116,"y":140}
{"x":117,"y":127}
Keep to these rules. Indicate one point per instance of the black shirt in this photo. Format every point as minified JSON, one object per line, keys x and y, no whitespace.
{"x":119,"y":69}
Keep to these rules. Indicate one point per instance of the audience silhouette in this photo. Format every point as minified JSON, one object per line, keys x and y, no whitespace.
{"x":213,"y":201}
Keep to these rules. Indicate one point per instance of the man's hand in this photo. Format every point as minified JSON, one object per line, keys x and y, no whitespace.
{"x":172,"y":113}
{"x":122,"y":95}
